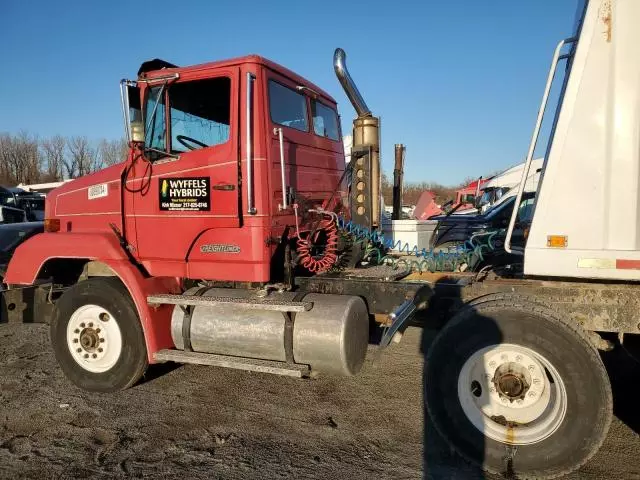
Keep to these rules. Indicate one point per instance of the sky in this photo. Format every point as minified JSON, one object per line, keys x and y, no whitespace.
{"x":458,"y":82}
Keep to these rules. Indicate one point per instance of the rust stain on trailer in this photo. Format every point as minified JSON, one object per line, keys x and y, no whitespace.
{"x":606,"y":16}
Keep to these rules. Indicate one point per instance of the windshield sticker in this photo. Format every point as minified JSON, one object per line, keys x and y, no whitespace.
{"x":185,"y":194}
{"x":98,"y":191}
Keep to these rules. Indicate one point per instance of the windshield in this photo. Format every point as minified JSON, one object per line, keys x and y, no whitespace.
{"x":486,"y":198}
{"x":492,"y":195}
{"x":496,"y":209}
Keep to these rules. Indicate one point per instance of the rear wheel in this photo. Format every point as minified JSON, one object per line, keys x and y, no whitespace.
{"x":517,"y":390}
{"x":97,"y":337}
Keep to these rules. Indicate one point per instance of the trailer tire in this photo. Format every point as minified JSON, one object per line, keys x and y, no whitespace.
{"x":495,"y":424}
{"x":97,"y":337}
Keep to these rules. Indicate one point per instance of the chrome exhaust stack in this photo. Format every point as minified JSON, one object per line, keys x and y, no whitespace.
{"x":364,"y":195}
{"x":349,"y":86}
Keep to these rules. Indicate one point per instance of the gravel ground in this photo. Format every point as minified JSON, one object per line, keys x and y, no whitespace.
{"x":204,"y":422}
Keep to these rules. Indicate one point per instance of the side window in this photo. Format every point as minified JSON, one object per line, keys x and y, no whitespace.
{"x":525,"y":211}
{"x":325,"y":121}
{"x":155,"y":121}
{"x":200,"y":114}
{"x":287,"y":107}
{"x":6,"y":198}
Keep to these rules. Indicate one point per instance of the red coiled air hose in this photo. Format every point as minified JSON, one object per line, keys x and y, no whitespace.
{"x":324,"y":261}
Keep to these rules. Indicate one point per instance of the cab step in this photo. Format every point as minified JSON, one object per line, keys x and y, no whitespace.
{"x":238,"y":363}
{"x":248,"y":303}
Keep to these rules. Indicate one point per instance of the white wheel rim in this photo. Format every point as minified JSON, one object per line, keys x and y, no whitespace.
{"x":506,"y":393}
{"x":94,"y":338}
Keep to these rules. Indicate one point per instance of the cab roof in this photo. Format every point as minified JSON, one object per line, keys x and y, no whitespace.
{"x":156,"y":67}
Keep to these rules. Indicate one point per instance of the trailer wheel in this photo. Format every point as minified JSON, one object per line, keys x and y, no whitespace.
{"x":97,"y":337}
{"x":514,"y":388}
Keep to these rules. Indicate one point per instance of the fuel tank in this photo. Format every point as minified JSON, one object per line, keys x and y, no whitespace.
{"x":331,"y":338}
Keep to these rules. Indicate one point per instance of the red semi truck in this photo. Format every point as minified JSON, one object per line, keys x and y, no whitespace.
{"x":216,"y":242}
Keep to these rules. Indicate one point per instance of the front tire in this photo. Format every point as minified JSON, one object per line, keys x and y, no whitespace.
{"x":97,"y":337}
{"x":516,"y":389}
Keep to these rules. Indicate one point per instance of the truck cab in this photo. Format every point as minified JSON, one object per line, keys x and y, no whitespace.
{"x":208,"y":191}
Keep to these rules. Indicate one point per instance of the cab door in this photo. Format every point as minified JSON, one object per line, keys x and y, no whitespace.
{"x":289,"y":112}
{"x":311,"y":144}
{"x":190,"y":183}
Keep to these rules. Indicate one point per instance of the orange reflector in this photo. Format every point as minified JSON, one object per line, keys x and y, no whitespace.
{"x":51,"y":225}
{"x":557,"y":241}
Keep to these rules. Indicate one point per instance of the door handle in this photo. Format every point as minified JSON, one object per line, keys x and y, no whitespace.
{"x":224,"y":187}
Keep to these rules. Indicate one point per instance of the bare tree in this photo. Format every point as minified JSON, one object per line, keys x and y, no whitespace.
{"x":82,"y":157}
{"x":6,"y":145}
{"x":54,"y":157}
{"x":25,"y":159}
{"x":413,"y":190}
{"x":111,"y":152}
{"x":19,"y":158}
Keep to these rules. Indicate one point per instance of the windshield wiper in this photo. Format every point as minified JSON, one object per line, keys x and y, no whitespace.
{"x":151,"y":149}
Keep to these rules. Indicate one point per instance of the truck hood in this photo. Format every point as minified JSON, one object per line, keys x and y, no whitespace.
{"x":466,"y":219}
{"x":78,"y":196}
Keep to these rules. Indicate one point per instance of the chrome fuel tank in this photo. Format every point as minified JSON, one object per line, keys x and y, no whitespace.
{"x":331,"y":337}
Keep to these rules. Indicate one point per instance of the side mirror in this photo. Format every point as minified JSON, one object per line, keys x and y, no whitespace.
{"x":132,"y":111}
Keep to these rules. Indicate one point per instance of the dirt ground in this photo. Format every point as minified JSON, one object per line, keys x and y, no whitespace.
{"x":204,"y":422}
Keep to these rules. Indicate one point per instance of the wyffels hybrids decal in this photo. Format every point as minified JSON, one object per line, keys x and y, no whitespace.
{"x":185,"y":194}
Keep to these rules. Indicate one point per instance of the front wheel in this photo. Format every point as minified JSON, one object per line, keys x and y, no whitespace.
{"x":97,"y":337}
{"x":514,"y":388}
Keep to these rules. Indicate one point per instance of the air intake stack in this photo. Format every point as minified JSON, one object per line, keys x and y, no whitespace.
{"x":365,"y":180}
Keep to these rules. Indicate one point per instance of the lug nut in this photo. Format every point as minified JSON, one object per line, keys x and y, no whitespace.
{"x":94,"y":355}
{"x":82,"y":325}
{"x":102,"y":340}
{"x":79,"y":350}
{"x":97,"y":330}
{"x":90,"y":324}
{"x":86,"y":355}
{"x":76,"y":330}
{"x":75,"y":340}
{"x":100,"y":350}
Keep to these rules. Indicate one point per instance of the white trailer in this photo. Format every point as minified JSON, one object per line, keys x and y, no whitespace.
{"x":514,"y":380}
